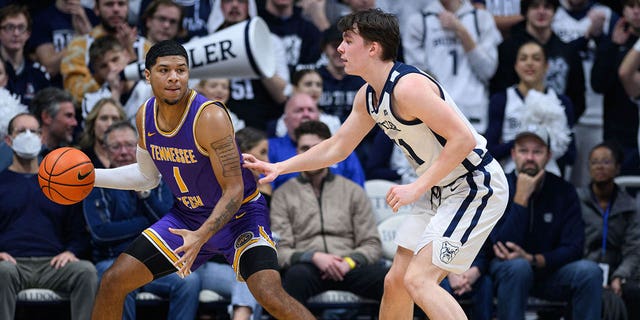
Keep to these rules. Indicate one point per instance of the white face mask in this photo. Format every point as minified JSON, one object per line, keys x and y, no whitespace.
{"x":27,"y":145}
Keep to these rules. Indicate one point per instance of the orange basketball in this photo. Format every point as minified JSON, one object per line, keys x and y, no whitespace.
{"x":66,"y":175}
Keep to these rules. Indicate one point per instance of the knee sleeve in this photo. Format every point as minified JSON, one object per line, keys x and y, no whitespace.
{"x":145,"y":252}
{"x":256,"y":259}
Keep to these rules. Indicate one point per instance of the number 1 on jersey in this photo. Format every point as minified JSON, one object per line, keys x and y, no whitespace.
{"x":179,"y":181}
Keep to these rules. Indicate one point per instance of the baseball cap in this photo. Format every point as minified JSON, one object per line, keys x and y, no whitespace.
{"x":537,"y":131}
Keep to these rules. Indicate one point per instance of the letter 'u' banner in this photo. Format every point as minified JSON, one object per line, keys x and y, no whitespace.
{"x":242,"y":50}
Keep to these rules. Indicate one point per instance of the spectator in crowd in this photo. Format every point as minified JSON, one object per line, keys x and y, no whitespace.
{"x":163,"y":21}
{"x":75,"y":68}
{"x":620,"y":115}
{"x":25,"y":77}
{"x":456,"y":43}
{"x":10,"y":106}
{"x":329,"y":239}
{"x":40,"y":241}
{"x":107,"y":59}
{"x":255,"y":142}
{"x":612,"y":226}
{"x":55,"y":111}
{"x":316,"y":12}
{"x":195,"y":15}
{"x":564,"y":75}
{"x":307,"y":81}
{"x":298,"y":109}
{"x":255,"y":101}
{"x":338,"y":88}
{"x":300,"y":37}
{"x":531,"y":95}
{"x":106,"y":112}
{"x":506,"y":13}
{"x":217,"y":89}
{"x":53,"y":29}
{"x":581,"y":22}
{"x":540,"y":239}
{"x":116,"y":217}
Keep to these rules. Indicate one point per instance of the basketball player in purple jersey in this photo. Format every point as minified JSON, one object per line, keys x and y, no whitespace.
{"x":188,"y":141}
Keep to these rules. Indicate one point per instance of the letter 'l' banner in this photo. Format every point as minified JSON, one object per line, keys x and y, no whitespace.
{"x":242,"y":50}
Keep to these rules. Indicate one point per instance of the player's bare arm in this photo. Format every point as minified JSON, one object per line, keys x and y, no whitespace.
{"x":225,"y":162}
{"x":426,"y":105}
{"x":326,"y":153}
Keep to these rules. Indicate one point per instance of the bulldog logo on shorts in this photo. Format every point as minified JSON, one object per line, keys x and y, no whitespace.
{"x":242,"y":239}
{"x":448,"y":251}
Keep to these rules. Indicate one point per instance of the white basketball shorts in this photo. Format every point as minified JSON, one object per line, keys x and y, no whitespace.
{"x":457,"y":218}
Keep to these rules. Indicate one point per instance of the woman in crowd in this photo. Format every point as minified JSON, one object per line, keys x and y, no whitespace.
{"x":530,"y":97}
{"x":105,"y":112}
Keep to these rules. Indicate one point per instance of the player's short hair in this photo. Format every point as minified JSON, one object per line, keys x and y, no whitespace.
{"x":375,"y":25}
{"x":525,"y":5}
{"x":312,"y":127}
{"x":163,"y":49}
{"x":101,"y":46}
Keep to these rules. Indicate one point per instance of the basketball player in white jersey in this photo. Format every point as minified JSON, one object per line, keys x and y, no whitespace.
{"x":462,"y":190}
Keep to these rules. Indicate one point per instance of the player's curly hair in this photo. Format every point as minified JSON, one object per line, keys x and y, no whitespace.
{"x":163,"y":49}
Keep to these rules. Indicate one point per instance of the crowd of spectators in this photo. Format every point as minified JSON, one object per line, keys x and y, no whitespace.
{"x":61,"y":73}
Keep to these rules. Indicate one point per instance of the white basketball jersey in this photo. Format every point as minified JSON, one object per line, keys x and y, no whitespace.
{"x":420,"y":145}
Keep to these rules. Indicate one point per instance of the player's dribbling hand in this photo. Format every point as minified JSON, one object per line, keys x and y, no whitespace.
{"x":402,"y":195}
{"x":191,"y":244}
{"x":269,"y":170}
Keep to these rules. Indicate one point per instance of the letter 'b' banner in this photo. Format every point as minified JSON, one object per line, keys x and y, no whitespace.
{"x":242,"y":50}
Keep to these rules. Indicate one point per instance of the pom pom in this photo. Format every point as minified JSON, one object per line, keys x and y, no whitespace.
{"x":546,"y":110}
{"x":10,"y":106}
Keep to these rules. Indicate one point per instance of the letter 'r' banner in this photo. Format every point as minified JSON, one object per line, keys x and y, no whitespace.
{"x":240,"y":51}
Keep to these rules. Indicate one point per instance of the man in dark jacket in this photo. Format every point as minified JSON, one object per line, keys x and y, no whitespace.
{"x":539,"y":241}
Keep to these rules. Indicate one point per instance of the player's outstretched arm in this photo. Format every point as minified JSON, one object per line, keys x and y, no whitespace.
{"x":427,"y":106}
{"x":327,"y":152}
{"x":139,"y":176}
{"x":221,"y":147}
